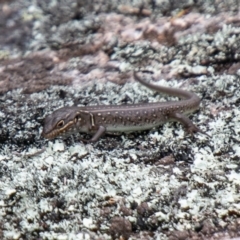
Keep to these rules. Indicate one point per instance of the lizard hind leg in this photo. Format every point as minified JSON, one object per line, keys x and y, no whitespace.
{"x":187,"y":123}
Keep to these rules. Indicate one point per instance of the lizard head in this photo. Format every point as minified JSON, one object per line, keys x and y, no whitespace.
{"x":60,"y":122}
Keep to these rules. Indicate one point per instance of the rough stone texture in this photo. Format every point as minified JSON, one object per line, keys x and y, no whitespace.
{"x":158,"y":184}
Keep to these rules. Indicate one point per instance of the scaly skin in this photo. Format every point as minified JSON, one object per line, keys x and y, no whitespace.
{"x":97,"y":120}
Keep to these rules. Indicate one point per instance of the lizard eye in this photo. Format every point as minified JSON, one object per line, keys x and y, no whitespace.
{"x":60,"y":124}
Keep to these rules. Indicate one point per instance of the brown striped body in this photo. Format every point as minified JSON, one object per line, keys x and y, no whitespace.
{"x":99,"y":119}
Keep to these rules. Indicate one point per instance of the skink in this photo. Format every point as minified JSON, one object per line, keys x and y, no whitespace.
{"x":100,"y":119}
